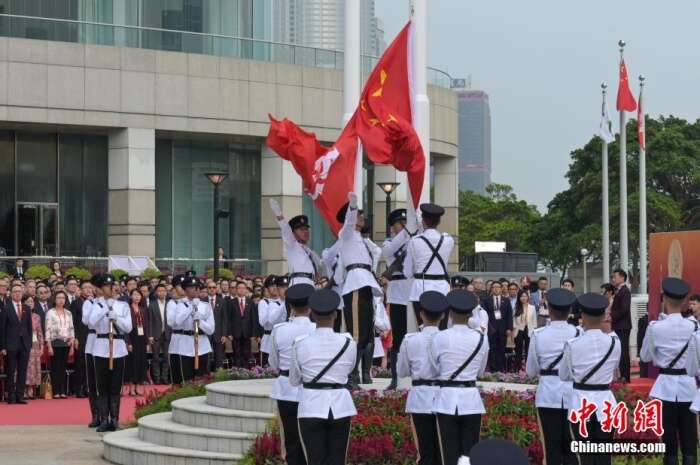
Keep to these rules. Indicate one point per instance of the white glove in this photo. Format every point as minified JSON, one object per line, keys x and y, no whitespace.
{"x":196,"y":316}
{"x":275,"y":207}
{"x":111,"y":315}
{"x":463,"y":460}
{"x":352,"y":197}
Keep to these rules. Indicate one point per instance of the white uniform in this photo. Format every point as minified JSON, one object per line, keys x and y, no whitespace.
{"x":449,"y":349}
{"x":170,"y":308}
{"x":310,"y":354}
{"x":414,"y":362}
{"x":281,"y":341}
{"x":418,"y":256}
{"x":331,"y":260}
{"x":693,"y":367}
{"x":546,"y":353}
{"x":270,"y":313}
{"x":663,"y":342}
{"x":355,"y":251}
{"x":376,"y":253}
{"x":98,"y":320}
{"x":183,"y":321}
{"x":90,"y":341}
{"x":399,"y":286}
{"x":300,"y":258}
{"x":479,"y":319}
{"x":581,"y":355}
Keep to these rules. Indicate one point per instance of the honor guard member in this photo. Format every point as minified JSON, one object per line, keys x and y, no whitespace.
{"x":331,"y":260}
{"x":413,"y":361}
{"x":282,"y":284}
{"x":188,"y":311}
{"x":457,"y":356}
{"x":694,"y":366}
{"x":427,"y":255}
{"x":304,"y":264}
{"x":89,"y":361}
{"x":359,"y":284}
{"x":497,"y":452}
{"x":398,"y":289}
{"x":458,"y":282}
{"x":271,"y":311}
{"x":553,"y":395}
{"x":287,"y":396}
{"x":109,"y":315}
{"x":174,"y":346}
{"x":590,"y":361}
{"x":321,"y":363}
{"x":667,"y":344}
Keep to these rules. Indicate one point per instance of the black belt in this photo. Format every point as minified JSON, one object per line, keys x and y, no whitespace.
{"x":431,"y":277}
{"x":324,"y":386}
{"x":549,"y":372}
{"x":92,"y":331}
{"x":284,"y":372}
{"x":106,"y":336}
{"x":183,"y":332}
{"x":457,"y":384}
{"x":591,"y":387}
{"x":267,"y":332}
{"x":673,"y":371}
{"x":397,"y":277}
{"x":299,"y":274}
{"x":425,"y":382}
{"x":358,"y":266}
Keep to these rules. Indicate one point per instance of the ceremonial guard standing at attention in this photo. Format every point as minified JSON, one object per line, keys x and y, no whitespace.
{"x":359,"y":285}
{"x":89,"y":343}
{"x":271,"y":311}
{"x":194,"y":322}
{"x":399,"y":287}
{"x":590,"y":361}
{"x":427,"y":255}
{"x":413,"y":361}
{"x":287,"y":396}
{"x":458,"y":355}
{"x":553,"y":395}
{"x":694,"y":366}
{"x":111,"y":320}
{"x":303,"y":263}
{"x":321,"y":363}
{"x":667,"y":344}
{"x":331,"y":260}
{"x":174,"y":346}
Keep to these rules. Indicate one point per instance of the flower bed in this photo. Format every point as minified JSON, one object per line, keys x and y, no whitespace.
{"x":498,"y":377}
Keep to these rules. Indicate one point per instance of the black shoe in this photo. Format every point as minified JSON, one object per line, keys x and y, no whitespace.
{"x":113,"y":424}
{"x":392,"y":385}
{"x":104,"y":427}
{"x":95,"y":422}
{"x":81,"y":395}
{"x":11,"y":401}
{"x":21,"y":401}
{"x":366,"y":378}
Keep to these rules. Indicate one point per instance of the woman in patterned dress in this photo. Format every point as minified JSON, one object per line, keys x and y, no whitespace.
{"x":34,"y":367}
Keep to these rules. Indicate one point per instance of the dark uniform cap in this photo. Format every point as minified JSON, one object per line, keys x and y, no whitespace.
{"x":191,"y":281}
{"x":560,"y":298}
{"x":433,"y":302}
{"x":269,"y":281}
{"x":397,"y":215}
{"x":462,"y":301}
{"x":282,"y":280}
{"x":324,"y":301}
{"x":299,"y":221}
{"x":106,"y":279}
{"x":190,"y":273}
{"x":298,"y":295}
{"x":593,"y":304}
{"x":497,"y":452}
{"x":177,"y":280}
{"x":458,"y":280}
{"x":343,"y":211}
{"x":95,"y":280}
{"x":432,"y":210}
{"x":675,"y":288}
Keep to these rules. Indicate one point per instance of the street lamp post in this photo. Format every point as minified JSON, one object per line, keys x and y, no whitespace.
{"x":388,"y":188}
{"x":216,"y":178}
{"x":584,"y":255}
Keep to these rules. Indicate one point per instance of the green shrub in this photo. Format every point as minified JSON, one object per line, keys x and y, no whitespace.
{"x":80,"y":273}
{"x":224,"y":273}
{"x":150,"y":273}
{"x":3,"y":274}
{"x":162,"y":402}
{"x":118,"y":273}
{"x":38,"y":272}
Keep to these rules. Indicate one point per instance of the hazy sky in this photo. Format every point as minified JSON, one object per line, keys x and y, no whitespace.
{"x":542,"y":63}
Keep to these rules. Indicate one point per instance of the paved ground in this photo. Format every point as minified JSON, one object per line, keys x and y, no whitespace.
{"x":50,"y":445}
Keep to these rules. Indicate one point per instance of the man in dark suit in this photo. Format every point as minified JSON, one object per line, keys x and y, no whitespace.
{"x":500,"y":315}
{"x":220,"y":307}
{"x":620,"y":313}
{"x":15,"y":344}
{"x":160,"y":335}
{"x":42,"y":303}
{"x":79,"y":378}
{"x":18,"y":269}
{"x":241,"y":324}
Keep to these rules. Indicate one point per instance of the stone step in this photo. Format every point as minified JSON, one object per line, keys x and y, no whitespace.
{"x":249,"y":395}
{"x":126,"y":448}
{"x":194,"y":411}
{"x":160,"y":429}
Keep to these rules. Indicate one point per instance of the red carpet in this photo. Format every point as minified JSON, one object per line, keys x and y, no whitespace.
{"x":69,"y":411}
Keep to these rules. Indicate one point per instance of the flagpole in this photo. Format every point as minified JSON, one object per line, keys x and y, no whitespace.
{"x":624,"y":246}
{"x":642,"y":197}
{"x":606,"y":214}
{"x":351,"y":81}
{"x":421,"y":103}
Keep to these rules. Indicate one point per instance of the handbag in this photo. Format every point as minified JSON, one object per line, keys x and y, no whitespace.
{"x":46,"y":391}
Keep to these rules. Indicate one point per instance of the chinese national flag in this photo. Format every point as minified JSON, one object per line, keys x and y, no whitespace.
{"x":384,"y":119}
{"x":625,"y":99}
{"x":313,"y":162}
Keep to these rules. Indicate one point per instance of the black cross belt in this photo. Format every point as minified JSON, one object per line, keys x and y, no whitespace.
{"x":106,"y":336}
{"x":549,"y":372}
{"x":591,"y":387}
{"x":457,"y":384}
{"x":359,"y":266}
{"x":300,"y":274}
{"x":183,"y":332}
{"x":284,"y":373}
{"x":397,"y":277}
{"x":673,"y":371}
{"x":324,"y":386}
{"x":425,"y":382}
{"x":267,"y":332}
{"x":431,"y":277}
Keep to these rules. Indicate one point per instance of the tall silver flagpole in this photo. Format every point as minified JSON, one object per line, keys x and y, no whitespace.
{"x":624,"y":246}
{"x":351,"y":82}
{"x":642,"y":196}
{"x":606,"y":213}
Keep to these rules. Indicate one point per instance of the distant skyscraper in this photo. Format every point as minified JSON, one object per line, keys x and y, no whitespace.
{"x":474,"y":139}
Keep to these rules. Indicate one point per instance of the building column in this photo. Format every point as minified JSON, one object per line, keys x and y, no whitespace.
{"x":281,"y":182}
{"x":446,"y":186}
{"x":132,"y":196}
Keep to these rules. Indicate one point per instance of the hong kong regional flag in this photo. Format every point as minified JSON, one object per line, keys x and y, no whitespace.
{"x":384,"y":119}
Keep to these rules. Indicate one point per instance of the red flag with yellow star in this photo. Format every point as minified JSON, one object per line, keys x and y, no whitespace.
{"x":625,"y":99}
{"x":384,"y":119}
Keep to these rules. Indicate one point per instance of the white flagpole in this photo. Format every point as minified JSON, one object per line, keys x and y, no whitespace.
{"x":421,"y":103}
{"x":606,"y":214}
{"x":624,"y":246}
{"x":642,"y":198}
{"x":351,"y":81}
